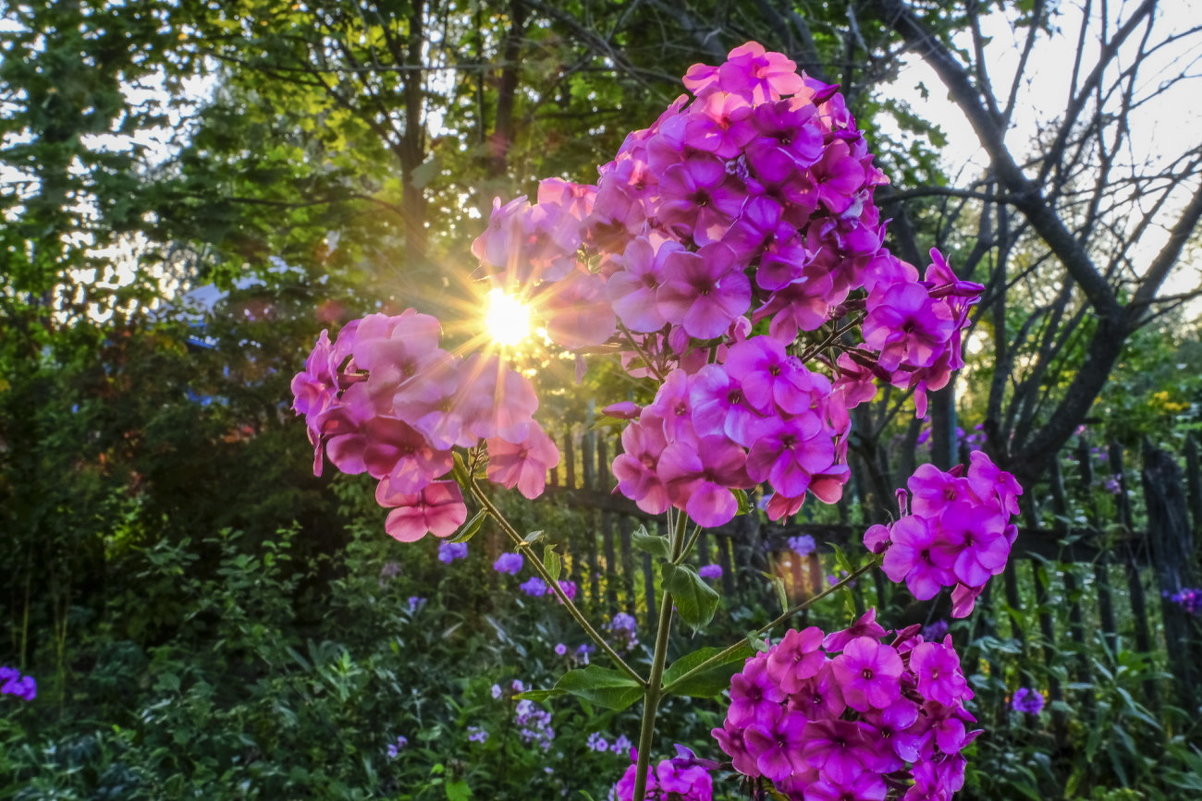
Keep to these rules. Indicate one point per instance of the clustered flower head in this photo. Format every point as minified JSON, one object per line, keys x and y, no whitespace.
{"x":624,"y":630}
{"x":510,"y":563}
{"x":681,"y":778}
{"x":851,"y":715}
{"x":749,"y":201}
{"x":710,"y":572}
{"x":385,"y":399}
{"x":802,"y":544}
{"x":958,"y":531}
{"x":534,"y":724}
{"x":15,"y":684}
{"x":1027,"y":700}
{"x":450,"y":551}
{"x":620,"y":745}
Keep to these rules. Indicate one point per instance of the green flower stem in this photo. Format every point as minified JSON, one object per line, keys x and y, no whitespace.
{"x":652,"y":692}
{"x":541,"y":569}
{"x":724,"y":654}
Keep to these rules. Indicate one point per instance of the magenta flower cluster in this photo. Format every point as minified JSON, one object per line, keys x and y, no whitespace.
{"x":681,"y":778}
{"x":957,"y":534}
{"x":851,"y":716}
{"x":386,"y":400}
{"x":749,"y":201}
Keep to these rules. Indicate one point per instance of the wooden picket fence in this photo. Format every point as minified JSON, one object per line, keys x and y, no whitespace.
{"x":1103,"y":568}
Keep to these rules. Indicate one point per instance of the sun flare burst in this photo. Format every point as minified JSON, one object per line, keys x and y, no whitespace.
{"x":506,"y":319}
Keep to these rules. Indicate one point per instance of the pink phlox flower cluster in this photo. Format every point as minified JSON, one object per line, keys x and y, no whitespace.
{"x":749,"y":201}
{"x":957,"y":534}
{"x":759,"y":416}
{"x":681,"y":778}
{"x":851,"y":716}
{"x":915,"y":327}
{"x":386,"y":400}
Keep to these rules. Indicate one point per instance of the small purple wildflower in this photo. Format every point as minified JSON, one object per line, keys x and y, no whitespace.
{"x":450,"y":551}
{"x":517,"y":686}
{"x":560,"y":649}
{"x":802,"y":545}
{"x":1188,"y":599}
{"x":597,"y":743}
{"x":510,"y":563}
{"x":496,"y":691}
{"x":534,"y":724}
{"x":476,"y":734}
{"x":624,"y":629}
{"x":621,"y":745}
{"x":534,"y":587}
{"x":582,"y":653}
{"x":569,"y":589}
{"x":395,"y":748}
{"x":13,"y":683}
{"x":1027,"y":700}
{"x":935,"y":631}
{"x":710,"y":571}
{"x":416,"y":604}
{"x":1112,"y":484}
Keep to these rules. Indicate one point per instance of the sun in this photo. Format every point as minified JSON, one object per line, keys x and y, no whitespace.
{"x":506,"y":319}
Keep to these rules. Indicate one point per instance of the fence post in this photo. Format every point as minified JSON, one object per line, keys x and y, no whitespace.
{"x":1135,"y":585}
{"x":1193,"y":480}
{"x":1171,"y":547}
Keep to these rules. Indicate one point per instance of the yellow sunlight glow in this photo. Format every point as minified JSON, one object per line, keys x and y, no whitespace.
{"x":506,"y":318}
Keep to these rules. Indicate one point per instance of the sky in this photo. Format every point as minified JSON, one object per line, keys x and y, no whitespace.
{"x":1164,"y":127}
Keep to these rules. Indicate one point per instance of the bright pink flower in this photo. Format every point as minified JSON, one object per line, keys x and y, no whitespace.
{"x":704,"y":291}
{"x":759,"y":75}
{"x":721,"y":409}
{"x":777,"y":746}
{"x":635,"y":467}
{"x":755,"y":696}
{"x":523,"y":465}
{"x":865,"y":626}
{"x":796,"y":658}
{"x":869,"y":674}
{"x":789,"y":453}
{"x":700,"y":478}
{"x":438,"y":509}
{"x":632,"y":290}
{"x":838,"y":748}
{"x":939,"y":675}
{"x":697,"y":201}
{"x":911,"y":558}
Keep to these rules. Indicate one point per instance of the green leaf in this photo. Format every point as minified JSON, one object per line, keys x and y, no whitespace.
{"x":539,"y":695}
{"x":782,"y":595}
{"x":532,"y":537}
{"x":471,"y":528}
{"x":552,"y":562}
{"x":695,"y":600}
{"x":601,"y":686}
{"x":711,"y":681}
{"x":459,"y":469}
{"x":744,"y":501}
{"x":653,"y":544}
{"x":458,"y":790}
